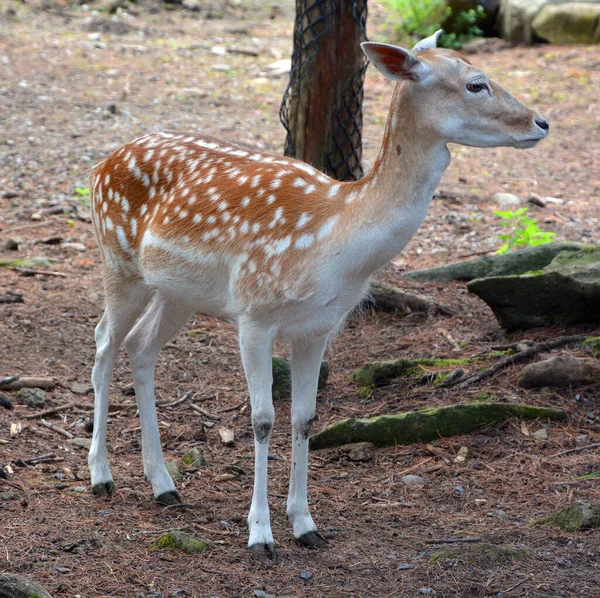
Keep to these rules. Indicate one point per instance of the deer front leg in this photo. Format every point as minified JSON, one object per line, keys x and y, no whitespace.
{"x":306,"y":361}
{"x":256,"y":346}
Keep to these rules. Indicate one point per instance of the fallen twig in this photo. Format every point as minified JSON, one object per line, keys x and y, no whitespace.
{"x":578,"y":449}
{"x":205,"y":413}
{"x":452,"y":540}
{"x":32,"y":272}
{"x":518,"y":357}
{"x":50,"y":411}
{"x":233,"y":408}
{"x":27,"y":226}
{"x":185,"y":397}
{"x":54,"y":428}
{"x":12,"y":298}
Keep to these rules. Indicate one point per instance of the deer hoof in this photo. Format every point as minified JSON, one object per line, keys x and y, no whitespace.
{"x":169,"y":498}
{"x":264,"y":553}
{"x":105,"y":489}
{"x":312,"y":540}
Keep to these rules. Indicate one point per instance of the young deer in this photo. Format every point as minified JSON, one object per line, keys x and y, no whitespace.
{"x":190,"y":223}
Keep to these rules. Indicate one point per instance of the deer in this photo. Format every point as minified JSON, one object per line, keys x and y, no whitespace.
{"x":191,"y":224}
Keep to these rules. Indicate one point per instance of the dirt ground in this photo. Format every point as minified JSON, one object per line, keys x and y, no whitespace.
{"x":72,"y":89}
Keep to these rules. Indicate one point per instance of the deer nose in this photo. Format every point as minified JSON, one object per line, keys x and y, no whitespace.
{"x":542,"y":123}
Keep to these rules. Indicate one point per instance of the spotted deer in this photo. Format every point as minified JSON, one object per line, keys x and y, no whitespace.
{"x":189,"y":223}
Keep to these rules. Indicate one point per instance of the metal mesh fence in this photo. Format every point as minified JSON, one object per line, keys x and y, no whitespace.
{"x":313,"y":20}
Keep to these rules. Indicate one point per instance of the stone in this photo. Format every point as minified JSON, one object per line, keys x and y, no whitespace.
{"x":174,"y":471}
{"x":561,"y":372}
{"x":33,"y":397}
{"x":194,"y":458}
{"x":15,"y":586}
{"x":517,"y":262}
{"x":282,"y":377}
{"x":507,"y":200}
{"x":484,"y":555}
{"x":193,"y":5}
{"x":577,"y":517}
{"x":179,"y":541}
{"x":358,"y":451}
{"x":515,"y":19}
{"x":410,"y":480}
{"x":82,"y":388}
{"x":573,"y":23}
{"x":221,"y":68}
{"x":11,"y":245}
{"x":565,"y":292}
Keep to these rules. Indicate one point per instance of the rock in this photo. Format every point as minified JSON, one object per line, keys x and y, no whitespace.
{"x":82,"y":388}
{"x":180,"y":541}
{"x":5,"y":402}
{"x":403,"y":566}
{"x":84,"y":443}
{"x":561,"y":372}
{"x":173,"y":469}
{"x":11,"y":245}
{"x":565,"y":292}
{"x":515,"y":19}
{"x":506,"y":200}
{"x":518,"y":262}
{"x":227,"y":436}
{"x":76,"y":246}
{"x":304,"y":574}
{"x":576,"y":517}
{"x":219,"y":50}
{"x":261,"y":594}
{"x":33,"y":397}
{"x":425,"y":424}
{"x":572,"y":23}
{"x":221,"y":68}
{"x":281,"y":67}
{"x":15,"y":586}
{"x":194,"y":458}
{"x":282,"y":377}
{"x":193,"y":5}
{"x":410,"y":480}
{"x":358,"y":451}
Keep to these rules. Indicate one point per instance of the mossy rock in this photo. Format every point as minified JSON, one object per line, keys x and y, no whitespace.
{"x":576,"y":517}
{"x":282,"y":377}
{"x":571,"y":23}
{"x":29,"y":262}
{"x":174,"y":471}
{"x":593,"y":343}
{"x":380,"y":373}
{"x":179,"y":541}
{"x":484,"y":555}
{"x":15,"y":586}
{"x":426,"y":424}
{"x":194,"y":458}
{"x":565,"y":292}
{"x":518,"y":262}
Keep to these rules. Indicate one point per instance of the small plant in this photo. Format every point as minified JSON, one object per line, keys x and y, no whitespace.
{"x":83,"y":195}
{"x":422,"y":18}
{"x":525,"y":231}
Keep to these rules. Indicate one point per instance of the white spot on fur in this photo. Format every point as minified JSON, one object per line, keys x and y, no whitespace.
{"x":327,"y":227}
{"x":304,"y":219}
{"x":304,"y":241}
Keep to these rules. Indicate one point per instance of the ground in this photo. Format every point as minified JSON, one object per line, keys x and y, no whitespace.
{"x":68,"y":98}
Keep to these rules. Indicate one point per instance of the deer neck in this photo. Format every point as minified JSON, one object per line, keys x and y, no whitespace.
{"x":386,"y":207}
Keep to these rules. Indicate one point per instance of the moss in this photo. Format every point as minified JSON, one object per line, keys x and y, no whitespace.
{"x":380,"y":373}
{"x":426,"y":424}
{"x":593,"y":343}
{"x":179,"y":541}
{"x":194,"y":458}
{"x":574,"y":518}
{"x":282,"y":377}
{"x":484,"y":555}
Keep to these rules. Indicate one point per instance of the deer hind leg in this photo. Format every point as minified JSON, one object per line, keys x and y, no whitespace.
{"x":256,"y":348}
{"x":306,"y":362}
{"x":163,"y":319}
{"x":122,"y":309}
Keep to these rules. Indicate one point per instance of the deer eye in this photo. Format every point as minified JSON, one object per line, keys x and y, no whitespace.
{"x":476,"y":86}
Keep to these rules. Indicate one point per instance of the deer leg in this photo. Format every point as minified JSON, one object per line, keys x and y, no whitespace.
{"x":164,"y":318}
{"x":306,"y":361}
{"x":256,"y":346}
{"x":119,"y":316}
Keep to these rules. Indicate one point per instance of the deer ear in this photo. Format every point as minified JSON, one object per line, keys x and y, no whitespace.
{"x":429,"y":43}
{"x":394,"y":62}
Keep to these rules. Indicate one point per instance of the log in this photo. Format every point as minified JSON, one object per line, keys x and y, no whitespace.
{"x":28,"y":382}
{"x":426,"y":424}
{"x":15,"y":586}
{"x":389,"y":299}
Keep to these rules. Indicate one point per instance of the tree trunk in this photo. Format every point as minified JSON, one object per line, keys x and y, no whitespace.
{"x":322,"y":106}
